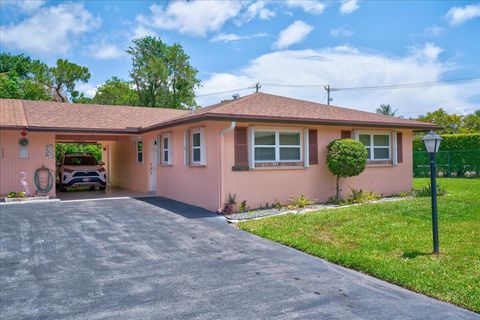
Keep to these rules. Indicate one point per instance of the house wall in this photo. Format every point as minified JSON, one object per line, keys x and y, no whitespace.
{"x":11,"y":164}
{"x":196,"y":185}
{"x":125,"y":172}
{"x":259,"y":186}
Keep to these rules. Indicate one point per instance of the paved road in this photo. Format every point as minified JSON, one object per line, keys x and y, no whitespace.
{"x":158,"y":259}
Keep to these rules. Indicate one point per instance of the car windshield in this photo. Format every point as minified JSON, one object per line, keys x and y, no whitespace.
{"x":80,"y":161}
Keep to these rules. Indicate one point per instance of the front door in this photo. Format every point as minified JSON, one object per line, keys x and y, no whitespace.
{"x":153,"y":165}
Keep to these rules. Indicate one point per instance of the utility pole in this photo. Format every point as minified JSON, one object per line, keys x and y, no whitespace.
{"x":257,"y":87}
{"x":328,"y":89}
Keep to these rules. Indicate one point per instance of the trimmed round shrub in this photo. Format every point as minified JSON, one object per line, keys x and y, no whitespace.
{"x":346,"y":158}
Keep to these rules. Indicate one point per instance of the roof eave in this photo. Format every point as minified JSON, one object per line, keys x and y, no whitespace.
{"x":244,"y":118}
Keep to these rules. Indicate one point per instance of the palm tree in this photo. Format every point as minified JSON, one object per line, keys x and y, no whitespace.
{"x":386,"y":110}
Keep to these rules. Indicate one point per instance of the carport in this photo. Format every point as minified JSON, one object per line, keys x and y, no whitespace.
{"x":112,"y":146}
{"x":31,"y":129}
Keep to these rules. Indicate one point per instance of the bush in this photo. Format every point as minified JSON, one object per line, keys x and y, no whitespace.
{"x":243,"y":206}
{"x":426,"y":191}
{"x":455,"y":142}
{"x":360,"y":196}
{"x":346,"y":158}
{"x":300,"y":202}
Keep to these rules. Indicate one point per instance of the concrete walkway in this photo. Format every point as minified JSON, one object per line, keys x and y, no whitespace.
{"x":154,"y":258}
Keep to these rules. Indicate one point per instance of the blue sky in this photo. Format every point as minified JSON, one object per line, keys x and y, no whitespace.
{"x":235,"y":44}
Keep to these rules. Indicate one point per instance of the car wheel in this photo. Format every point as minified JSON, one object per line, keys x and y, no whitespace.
{"x":62,"y":188}
{"x":102,"y":188}
{"x":92,"y":188}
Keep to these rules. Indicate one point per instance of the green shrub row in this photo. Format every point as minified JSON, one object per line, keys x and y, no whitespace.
{"x":455,"y":142}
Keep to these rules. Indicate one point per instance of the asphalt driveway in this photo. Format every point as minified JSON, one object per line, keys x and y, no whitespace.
{"x":158,"y":259}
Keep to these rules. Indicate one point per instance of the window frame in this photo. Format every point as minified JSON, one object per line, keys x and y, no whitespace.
{"x":277,"y":146}
{"x":138,"y":152}
{"x":202,"y":161}
{"x":372,"y":146}
{"x":162,"y":149}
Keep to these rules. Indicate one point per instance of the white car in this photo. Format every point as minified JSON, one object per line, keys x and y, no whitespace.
{"x":82,"y":170}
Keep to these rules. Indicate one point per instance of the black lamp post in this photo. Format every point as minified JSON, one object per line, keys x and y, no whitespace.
{"x":432,"y":143}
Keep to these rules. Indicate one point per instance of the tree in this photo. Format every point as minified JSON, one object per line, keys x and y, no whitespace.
{"x":450,"y":122}
{"x":162,"y":74}
{"x":117,"y":92}
{"x":386,"y":110}
{"x":346,"y":158}
{"x":62,"y":78}
{"x":471,"y":122}
{"x":17,"y":80}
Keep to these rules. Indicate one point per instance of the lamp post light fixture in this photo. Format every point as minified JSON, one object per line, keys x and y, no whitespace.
{"x":432,"y":144}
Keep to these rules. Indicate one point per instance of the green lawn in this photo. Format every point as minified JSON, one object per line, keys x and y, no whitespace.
{"x":393,"y":241}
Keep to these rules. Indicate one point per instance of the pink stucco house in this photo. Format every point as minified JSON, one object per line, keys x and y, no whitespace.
{"x":261,"y":147}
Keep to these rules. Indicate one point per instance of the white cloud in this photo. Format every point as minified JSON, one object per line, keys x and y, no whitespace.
{"x":428,"y":52}
{"x":346,"y":66}
{"x":309,"y":6}
{"x":349,"y":6}
{"x":434,"y":31}
{"x":87,"y":89}
{"x":258,"y":9}
{"x":342,"y":31}
{"x":232,"y":37}
{"x":27,"y":6}
{"x":105,"y":51}
{"x":294,"y":33}
{"x":194,"y":17}
{"x":458,"y":15}
{"x":142,"y":31}
{"x":50,"y":29}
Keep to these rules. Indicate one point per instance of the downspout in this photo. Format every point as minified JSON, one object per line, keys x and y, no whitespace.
{"x":233,"y":124}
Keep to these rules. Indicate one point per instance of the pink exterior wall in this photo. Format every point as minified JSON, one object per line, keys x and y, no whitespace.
{"x":259,"y":186}
{"x":11,"y":164}
{"x":197,"y":185}
{"x":125,"y":172}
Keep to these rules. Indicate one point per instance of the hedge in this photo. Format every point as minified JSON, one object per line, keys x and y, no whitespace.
{"x":459,"y":155}
{"x":470,"y":141}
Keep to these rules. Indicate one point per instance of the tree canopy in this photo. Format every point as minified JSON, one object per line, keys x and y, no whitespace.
{"x":346,"y":158}
{"x":17,"y":80}
{"x":386,"y":110}
{"x":453,"y":123}
{"x":24,"y":78}
{"x":162,"y":74}
{"x":115,"y":92}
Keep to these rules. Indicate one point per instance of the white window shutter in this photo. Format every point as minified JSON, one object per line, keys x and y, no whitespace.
{"x":355,"y":135}
{"x":203,"y":149}
{"x":395,"y":149}
{"x":186,"y":147}
{"x":306,"y":149}
{"x":170,"y":149}
{"x":251,"y":143}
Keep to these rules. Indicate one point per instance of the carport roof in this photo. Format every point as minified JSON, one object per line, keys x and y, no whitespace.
{"x":56,"y":116}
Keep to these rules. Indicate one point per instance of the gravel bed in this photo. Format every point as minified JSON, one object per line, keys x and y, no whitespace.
{"x":262,"y":213}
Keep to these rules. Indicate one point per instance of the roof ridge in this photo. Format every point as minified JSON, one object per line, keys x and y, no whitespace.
{"x":230,"y":102}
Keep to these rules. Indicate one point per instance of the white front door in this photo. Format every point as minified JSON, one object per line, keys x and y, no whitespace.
{"x":153,"y":164}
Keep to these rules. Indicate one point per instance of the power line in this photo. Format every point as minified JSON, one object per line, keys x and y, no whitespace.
{"x":391,"y":86}
{"x":223,"y":92}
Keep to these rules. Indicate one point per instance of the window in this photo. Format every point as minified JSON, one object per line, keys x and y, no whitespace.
{"x":166,"y":147}
{"x":139,"y":151}
{"x":195,"y":147}
{"x":378,"y":145}
{"x":277,"y":146}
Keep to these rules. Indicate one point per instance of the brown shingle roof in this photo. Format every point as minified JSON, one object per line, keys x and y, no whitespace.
{"x":12,"y":114}
{"x":82,"y":117}
{"x":268,"y":107}
{"x":48,"y":115}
